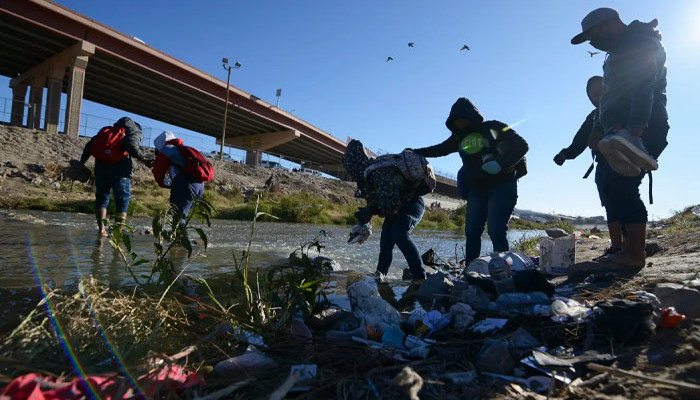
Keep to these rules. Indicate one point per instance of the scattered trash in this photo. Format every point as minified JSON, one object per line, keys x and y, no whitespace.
{"x":436,"y":284}
{"x":360,"y":233}
{"x":409,"y":382}
{"x":518,"y":303}
{"x":374,"y":332}
{"x":593,"y":237}
{"x":300,"y":331}
{"x":416,"y":315}
{"x":370,"y":307}
{"x":306,"y":372}
{"x":327,"y":319}
{"x":556,"y":233}
{"x":499,"y":269}
{"x":435,"y":321}
{"x":476,"y":298}
{"x":393,"y":337}
{"x":489,"y":324}
{"x":566,"y":310}
{"x":538,"y":384}
{"x":462,"y":316}
{"x":532,"y":281}
{"x":360,"y":332}
{"x":246,"y":364}
{"x":686,"y":300}
{"x":461,"y":378}
{"x":670,"y":318}
{"x":522,"y":339}
{"x":556,"y":255}
{"x":248,"y":337}
{"x":495,"y":357}
{"x":620,"y":321}
{"x":517,"y":261}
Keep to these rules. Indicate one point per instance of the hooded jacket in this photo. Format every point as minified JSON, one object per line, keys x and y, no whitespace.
{"x":385,"y":189}
{"x":169,"y":160}
{"x":131,"y":144}
{"x":481,"y":140}
{"x":634,"y":77}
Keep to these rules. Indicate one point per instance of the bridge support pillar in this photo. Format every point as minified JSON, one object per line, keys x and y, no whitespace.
{"x":53,"y":100}
{"x":76,"y":83}
{"x":255,"y":145}
{"x":19,"y":96}
{"x":73,"y":58}
{"x":253,"y":157}
{"x":36,"y":98}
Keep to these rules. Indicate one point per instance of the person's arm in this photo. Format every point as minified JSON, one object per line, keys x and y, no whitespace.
{"x":132,"y":140}
{"x":511,"y":147}
{"x":86,"y":151}
{"x":580,"y":142}
{"x":447,"y":147}
{"x":160,"y":168}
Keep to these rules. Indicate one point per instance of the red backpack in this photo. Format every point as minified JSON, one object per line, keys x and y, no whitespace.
{"x":107,"y":145}
{"x":196,"y":165}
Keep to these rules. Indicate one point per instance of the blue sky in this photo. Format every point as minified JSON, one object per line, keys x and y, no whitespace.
{"x":329,"y":59}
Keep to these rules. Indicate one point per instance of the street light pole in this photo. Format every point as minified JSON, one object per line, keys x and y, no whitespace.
{"x":228,"y":68}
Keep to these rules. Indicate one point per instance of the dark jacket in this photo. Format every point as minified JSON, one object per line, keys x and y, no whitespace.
{"x":385,"y":189}
{"x":481,"y":140}
{"x":131,"y":144}
{"x":634,"y":77}
{"x":580,"y":142}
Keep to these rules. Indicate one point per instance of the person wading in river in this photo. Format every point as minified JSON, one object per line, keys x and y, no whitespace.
{"x":113,"y":149}
{"x":182,"y":169}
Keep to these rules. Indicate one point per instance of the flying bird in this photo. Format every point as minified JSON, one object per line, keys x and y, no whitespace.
{"x":389,"y":59}
{"x":465,"y":47}
{"x":592,"y":53}
{"x":410,"y":44}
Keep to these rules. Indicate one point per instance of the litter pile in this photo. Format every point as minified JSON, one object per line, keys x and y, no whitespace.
{"x":498,"y":328}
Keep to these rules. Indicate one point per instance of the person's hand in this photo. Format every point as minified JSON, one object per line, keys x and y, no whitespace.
{"x":492,"y":167}
{"x":593,"y":139}
{"x":559,"y":159}
{"x":363,"y":215}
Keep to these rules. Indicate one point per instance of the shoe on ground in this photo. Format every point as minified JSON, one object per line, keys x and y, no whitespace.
{"x":633,"y":147}
{"x":618,"y":161}
{"x":608,"y":252}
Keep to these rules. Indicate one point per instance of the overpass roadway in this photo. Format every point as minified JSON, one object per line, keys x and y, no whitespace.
{"x":45,"y":45}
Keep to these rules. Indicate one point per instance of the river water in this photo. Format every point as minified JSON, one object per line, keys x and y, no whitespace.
{"x":58,"y":248}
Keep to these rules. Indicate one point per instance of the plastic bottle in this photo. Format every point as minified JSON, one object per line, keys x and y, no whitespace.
{"x":498,"y":267}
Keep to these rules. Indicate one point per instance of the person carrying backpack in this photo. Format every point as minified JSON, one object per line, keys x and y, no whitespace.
{"x":594,"y":89}
{"x":393,"y":186}
{"x":493,"y":158}
{"x":632,"y":126}
{"x":182,"y":169}
{"x":113,"y":148}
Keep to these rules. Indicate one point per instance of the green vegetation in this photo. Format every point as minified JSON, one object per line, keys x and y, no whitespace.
{"x":528,"y":245}
{"x":682,"y":222}
{"x":442,"y":219}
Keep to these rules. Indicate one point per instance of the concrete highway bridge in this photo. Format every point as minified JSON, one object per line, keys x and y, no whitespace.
{"x":45,"y":46}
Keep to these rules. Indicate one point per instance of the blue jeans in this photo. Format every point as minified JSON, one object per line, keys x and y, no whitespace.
{"x":493,"y":205}
{"x":121,"y":187}
{"x":396,"y":231}
{"x":183,"y":192}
